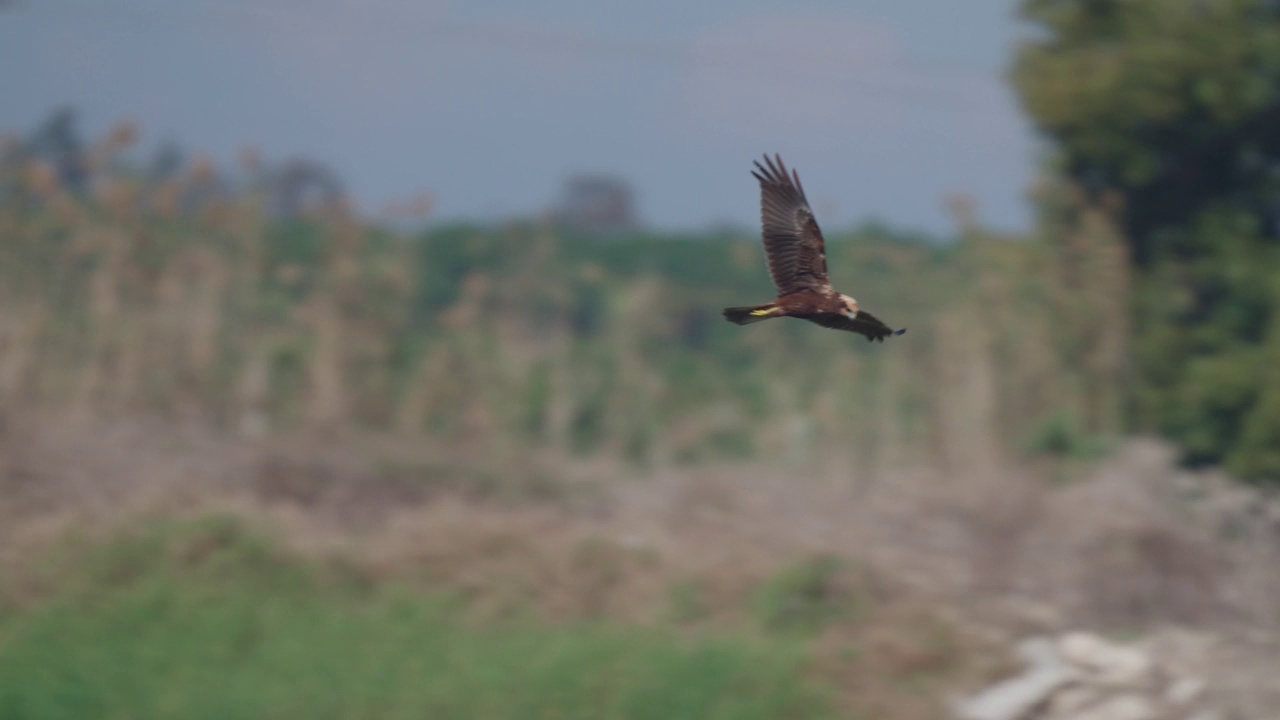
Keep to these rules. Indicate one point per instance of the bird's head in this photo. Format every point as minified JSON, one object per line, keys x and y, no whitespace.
{"x":850,"y":306}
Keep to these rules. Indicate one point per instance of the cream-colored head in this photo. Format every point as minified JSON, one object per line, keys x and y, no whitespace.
{"x":850,"y":305}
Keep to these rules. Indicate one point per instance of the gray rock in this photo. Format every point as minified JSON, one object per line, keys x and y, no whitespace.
{"x":1108,"y":662}
{"x":1071,"y":700}
{"x":1016,"y":697}
{"x":1183,"y":691}
{"x":1120,"y":707}
{"x":1207,"y":715}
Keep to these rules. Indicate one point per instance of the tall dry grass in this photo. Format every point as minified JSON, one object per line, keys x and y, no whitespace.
{"x":177,"y":297}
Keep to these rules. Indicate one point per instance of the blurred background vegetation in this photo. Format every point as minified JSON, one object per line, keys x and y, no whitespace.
{"x":1170,"y":111}
{"x":187,"y":294}
{"x":254,"y":302}
{"x":1143,"y":300}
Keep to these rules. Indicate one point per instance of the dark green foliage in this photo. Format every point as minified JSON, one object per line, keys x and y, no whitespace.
{"x":1172,"y":107}
{"x":1258,"y":453}
{"x":1217,"y":393}
{"x":1173,"y":102}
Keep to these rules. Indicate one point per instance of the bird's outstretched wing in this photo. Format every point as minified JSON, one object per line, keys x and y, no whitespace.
{"x":864,"y":324}
{"x":793,"y":243}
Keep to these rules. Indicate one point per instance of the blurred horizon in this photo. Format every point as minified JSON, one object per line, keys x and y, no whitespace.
{"x":491,"y":109}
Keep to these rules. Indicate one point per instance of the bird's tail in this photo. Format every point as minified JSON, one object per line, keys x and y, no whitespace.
{"x":751,"y":314}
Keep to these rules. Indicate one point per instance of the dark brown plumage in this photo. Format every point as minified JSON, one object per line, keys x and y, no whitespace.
{"x":797,"y":257}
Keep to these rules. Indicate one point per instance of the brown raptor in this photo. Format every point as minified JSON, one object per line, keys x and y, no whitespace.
{"x":797,"y":259}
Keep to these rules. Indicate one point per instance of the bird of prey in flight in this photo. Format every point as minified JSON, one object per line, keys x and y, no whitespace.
{"x":797,"y":259}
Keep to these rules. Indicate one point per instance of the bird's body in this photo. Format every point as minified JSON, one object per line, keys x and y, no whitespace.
{"x":797,"y":258}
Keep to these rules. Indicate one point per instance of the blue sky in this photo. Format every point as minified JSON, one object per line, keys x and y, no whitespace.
{"x":883,"y":106}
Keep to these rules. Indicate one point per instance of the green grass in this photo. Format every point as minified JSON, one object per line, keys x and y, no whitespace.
{"x":207,"y":621}
{"x":805,"y":597}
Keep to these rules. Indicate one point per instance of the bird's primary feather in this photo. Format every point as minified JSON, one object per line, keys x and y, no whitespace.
{"x":864,"y":323}
{"x":793,"y":242}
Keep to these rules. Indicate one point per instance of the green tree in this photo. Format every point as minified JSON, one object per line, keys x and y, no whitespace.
{"x":1174,"y":106}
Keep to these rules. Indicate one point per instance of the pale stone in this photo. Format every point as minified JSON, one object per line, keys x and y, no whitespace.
{"x":1069,"y":701}
{"x":1121,"y":707}
{"x":1184,"y":691}
{"x":1112,"y":664}
{"x":1015,"y":697}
